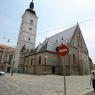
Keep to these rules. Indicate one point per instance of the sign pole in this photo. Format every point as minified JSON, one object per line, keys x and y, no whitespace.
{"x":64,"y":76}
{"x":63,"y":50}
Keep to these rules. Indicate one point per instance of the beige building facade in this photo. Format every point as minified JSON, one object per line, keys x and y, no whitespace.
{"x":6,"y":57}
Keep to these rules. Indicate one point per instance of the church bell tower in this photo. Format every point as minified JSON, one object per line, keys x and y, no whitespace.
{"x":27,"y":33}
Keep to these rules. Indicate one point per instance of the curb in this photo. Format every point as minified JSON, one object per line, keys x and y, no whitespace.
{"x":88,"y":92}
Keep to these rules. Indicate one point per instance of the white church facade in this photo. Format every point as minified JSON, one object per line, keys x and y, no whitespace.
{"x":44,"y":59}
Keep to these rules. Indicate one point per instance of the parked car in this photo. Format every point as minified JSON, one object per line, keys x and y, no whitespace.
{"x":2,"y":73}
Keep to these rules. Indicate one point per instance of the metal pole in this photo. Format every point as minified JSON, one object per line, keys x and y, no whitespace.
{"x":64,"y":76}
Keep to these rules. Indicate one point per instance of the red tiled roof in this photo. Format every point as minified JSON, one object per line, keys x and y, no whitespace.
{"x":5,"y":46}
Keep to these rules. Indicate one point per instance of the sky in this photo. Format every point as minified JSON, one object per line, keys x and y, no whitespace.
{"x":53,"y":15}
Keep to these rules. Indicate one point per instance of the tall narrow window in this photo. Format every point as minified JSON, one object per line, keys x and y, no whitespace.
{"x":74,"y":59}
{"x":78,"y":40}
{"x":39,"y":59}
{"x":29,"y":39}
{"x":45,"y":59}
{"x":31,"y":61}
{"x":31,"y":22}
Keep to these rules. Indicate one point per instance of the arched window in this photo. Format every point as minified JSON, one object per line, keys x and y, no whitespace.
{"x":31,"y":22}
{"x":39,"y":59}
{"x":45,"y":59}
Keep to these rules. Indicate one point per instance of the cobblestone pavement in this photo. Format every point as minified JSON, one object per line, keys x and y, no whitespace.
{"x":21,"y":84}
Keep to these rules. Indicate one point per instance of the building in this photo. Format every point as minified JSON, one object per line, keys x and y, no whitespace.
{"x":6,"y":57}
{"x":45,"y":60}
{"x":91,"y":64}
{"x":27,"y":33}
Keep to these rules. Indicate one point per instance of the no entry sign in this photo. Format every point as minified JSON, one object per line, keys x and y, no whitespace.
{"x":63,"y":50}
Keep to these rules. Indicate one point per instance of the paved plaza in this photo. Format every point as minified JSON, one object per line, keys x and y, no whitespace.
{"x":21,"y":84}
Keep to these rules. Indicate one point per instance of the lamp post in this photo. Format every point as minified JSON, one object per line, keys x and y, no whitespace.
{"x":12,"y":67}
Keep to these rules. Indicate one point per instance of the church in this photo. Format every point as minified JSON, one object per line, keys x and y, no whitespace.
{"x":44,"y":58}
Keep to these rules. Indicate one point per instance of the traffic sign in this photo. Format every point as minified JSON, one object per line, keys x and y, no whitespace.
{"x":63,"y":50}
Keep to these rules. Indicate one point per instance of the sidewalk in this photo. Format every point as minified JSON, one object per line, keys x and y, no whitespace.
{"x":88,"y":92}
{"x":45,"y":84}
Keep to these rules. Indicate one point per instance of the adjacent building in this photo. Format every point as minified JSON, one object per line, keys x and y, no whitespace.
{"x":6,"y":57}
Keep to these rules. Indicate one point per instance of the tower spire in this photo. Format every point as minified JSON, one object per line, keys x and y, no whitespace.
{"x":32,"y":5}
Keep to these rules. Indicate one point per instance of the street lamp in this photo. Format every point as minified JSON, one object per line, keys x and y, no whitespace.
{"x":12,"y":68}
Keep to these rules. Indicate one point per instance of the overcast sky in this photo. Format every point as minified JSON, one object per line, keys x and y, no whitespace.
{"x":53,"y":15}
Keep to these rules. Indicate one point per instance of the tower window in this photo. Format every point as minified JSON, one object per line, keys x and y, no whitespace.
{"x":29,"y":39}
{"x":30,"y":28}
{"x":31,"y":22}
{"x":62,"y":38}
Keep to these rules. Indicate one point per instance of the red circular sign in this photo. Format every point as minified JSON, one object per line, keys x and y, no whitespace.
{"x":63,"y":50}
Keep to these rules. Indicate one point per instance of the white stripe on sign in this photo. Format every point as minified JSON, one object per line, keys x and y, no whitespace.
{"x":63,"y":50}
